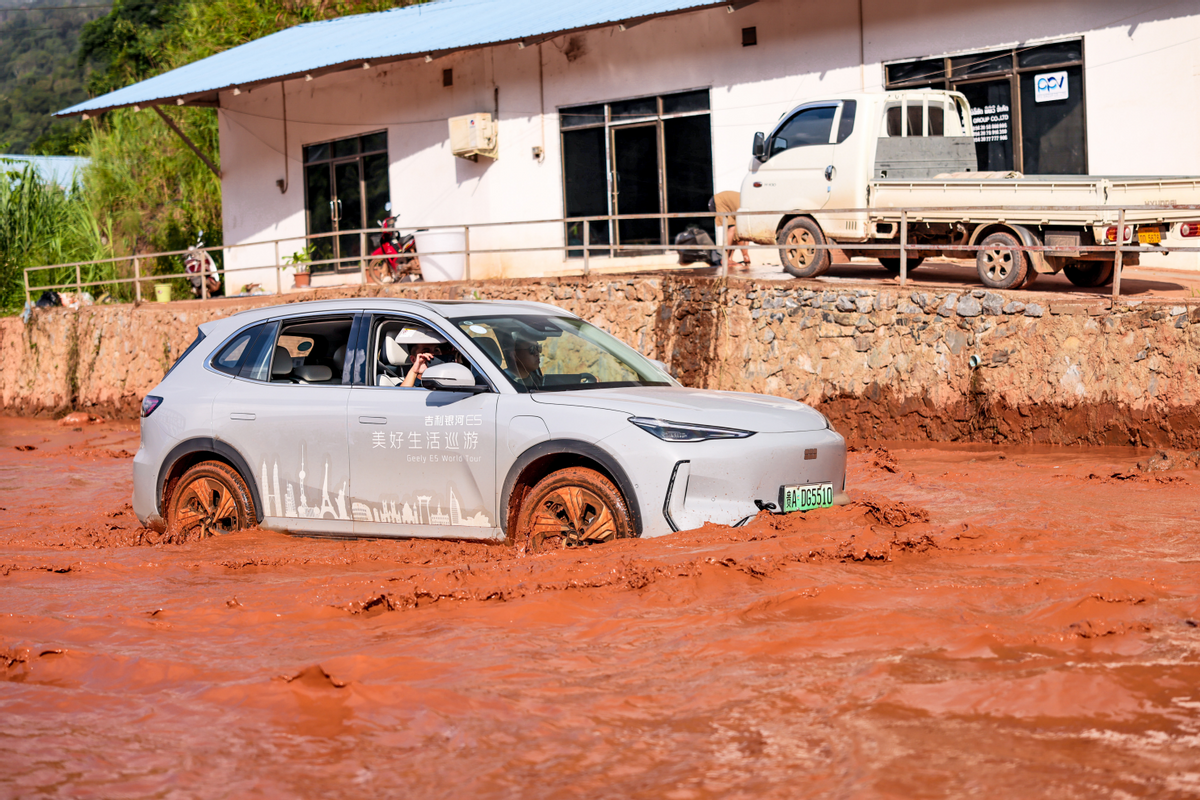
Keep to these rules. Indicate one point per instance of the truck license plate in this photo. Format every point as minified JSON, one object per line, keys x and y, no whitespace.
{"x":1149,"y":236}
{"x":806,"y":497}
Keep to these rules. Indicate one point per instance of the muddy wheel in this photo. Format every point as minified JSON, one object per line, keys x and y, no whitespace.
{"x":570,"y":508}
{"x":892,"y":265}
{"x":209,"y":499}
{"x":378,"y":272}
{"x":999,"y":266}
{"x":800,"y":257}
{"x":1089,"y":273}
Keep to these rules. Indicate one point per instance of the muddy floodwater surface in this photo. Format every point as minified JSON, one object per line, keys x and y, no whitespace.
{"x":1001,"y":623}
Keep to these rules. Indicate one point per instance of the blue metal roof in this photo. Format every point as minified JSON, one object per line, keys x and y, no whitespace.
{"x":427,"y":29}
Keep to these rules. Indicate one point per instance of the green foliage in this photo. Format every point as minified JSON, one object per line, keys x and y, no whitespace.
{"x":127,"y":45}
{"x":143,"y":190}
{"x":40,"y":74}
{"x":300,"y":260}
{"x":42,"y":224}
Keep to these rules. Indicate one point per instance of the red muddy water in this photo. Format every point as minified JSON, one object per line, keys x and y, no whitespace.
{"x":1003,"y":623}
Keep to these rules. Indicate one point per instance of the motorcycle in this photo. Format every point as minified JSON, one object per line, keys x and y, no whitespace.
{"x":199,"y":266}
{"x":395,"y":259}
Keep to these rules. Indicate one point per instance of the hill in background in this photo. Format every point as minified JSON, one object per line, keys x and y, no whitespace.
{"x":40,"y":73}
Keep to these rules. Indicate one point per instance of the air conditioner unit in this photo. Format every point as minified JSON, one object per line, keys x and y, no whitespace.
{"x":472,"y":136}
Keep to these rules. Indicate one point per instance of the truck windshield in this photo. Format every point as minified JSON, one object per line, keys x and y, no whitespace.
{"x":557,"y":354}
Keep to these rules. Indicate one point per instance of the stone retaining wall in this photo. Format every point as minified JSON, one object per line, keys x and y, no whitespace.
{"x":882,"y":363}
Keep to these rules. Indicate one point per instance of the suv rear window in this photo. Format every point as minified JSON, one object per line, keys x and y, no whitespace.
{"x":243,"y":355}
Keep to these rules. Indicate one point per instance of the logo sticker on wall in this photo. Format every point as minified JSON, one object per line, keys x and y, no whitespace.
{"x":1050,"y":86}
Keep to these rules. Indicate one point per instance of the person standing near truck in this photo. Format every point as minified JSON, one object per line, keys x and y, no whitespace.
{"x":727,"y":203}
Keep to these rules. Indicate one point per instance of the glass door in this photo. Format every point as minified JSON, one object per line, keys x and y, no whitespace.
{"x":318,"y":203}
{"x":347,"y":181}
{"x":636,"y":186}
{"x":345,"y":189}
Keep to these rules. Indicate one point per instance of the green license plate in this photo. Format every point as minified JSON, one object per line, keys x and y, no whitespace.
{"x":808,"y":496}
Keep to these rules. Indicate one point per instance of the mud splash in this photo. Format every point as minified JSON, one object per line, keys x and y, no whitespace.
{"x":980,"y":620}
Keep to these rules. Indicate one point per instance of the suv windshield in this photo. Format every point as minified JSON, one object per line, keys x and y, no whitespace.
{"x":555,"y":354}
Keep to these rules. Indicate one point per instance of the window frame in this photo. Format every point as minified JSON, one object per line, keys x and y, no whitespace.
{"x":330,"y":161}
{"x":947,"y":80}
{"x":608,"y":124}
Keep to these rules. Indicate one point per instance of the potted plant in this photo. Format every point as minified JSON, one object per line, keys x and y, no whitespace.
{"x":299,"y":261}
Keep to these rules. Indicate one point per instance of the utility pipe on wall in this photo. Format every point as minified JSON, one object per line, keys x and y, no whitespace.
{"x":283,"y":184}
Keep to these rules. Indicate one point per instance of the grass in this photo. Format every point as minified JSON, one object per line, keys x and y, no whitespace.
{"x":41,"y":223}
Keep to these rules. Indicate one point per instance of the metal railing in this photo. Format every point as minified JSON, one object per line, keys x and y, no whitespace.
{"x":1105,"y":216}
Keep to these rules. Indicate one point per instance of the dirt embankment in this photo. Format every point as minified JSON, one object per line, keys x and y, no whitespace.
{"x":1015,"y":622}
{"x":919,"y":365}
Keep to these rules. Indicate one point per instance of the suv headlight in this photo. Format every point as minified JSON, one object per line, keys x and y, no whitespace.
{"x":686,"y":432}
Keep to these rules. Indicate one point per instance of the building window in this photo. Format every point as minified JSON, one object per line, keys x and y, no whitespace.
{"x":646,"y":155}
{"x":1042,"y":133}
{"x":345,"y":189}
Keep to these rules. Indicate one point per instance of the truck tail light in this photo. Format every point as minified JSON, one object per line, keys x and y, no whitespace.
{"x":1189,"y":229}
{"x":1111,"y":234}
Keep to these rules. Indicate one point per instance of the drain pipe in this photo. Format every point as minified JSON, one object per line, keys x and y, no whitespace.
{"x":283,"y":184}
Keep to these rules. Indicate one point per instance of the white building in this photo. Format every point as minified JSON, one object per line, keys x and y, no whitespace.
{"x":595,"y":116}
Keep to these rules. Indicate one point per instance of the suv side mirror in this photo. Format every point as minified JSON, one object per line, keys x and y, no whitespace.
{"x":450,"y":377}
{"x":760,"y":146}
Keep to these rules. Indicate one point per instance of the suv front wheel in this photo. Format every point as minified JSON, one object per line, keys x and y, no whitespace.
{"x":209,"y":499}
{"x":572,"y":507}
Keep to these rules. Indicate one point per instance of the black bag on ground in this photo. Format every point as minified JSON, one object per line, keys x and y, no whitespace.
{"x":48,"y":299}
{"x":697,"y":236}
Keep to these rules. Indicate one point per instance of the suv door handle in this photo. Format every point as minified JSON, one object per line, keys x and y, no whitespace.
{"x":373,"y":420}
{"x":830,"y":172}
{"x":241,"y":415}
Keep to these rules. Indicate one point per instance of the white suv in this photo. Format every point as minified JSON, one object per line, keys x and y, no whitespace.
{"x":465,"y":420}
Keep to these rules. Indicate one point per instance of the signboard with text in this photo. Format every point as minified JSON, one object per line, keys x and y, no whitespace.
{"x":1050,"y":86}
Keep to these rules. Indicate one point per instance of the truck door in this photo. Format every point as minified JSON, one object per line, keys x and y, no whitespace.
{"x":846,"y":176}
{"x":798,"y":151}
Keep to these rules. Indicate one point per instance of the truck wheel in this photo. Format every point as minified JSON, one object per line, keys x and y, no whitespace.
{"x":892,"y":265}
{"x":999,"y":266}
{"x":801,"y":259}
{"x":572,"y":507}
{"x":1089,"y":273}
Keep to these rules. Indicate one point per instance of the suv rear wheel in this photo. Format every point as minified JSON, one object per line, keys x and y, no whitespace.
{"x":209,"y":499}
{"x":570,"y":508}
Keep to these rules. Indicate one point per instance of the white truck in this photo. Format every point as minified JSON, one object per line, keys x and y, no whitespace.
{"x":876,"y":153}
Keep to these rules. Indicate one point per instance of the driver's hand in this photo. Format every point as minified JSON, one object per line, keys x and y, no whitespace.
{"x":421,"y":362}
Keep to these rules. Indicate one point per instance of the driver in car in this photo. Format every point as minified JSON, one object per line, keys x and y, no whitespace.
{"x":425,"y":348}
{"x":525,"y":362}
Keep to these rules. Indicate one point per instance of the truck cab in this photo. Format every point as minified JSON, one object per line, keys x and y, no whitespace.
{"x":824,"y":154}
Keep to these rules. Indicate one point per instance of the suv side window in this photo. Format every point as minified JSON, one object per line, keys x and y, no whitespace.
{"x":307,"y":351}
{"x":396,"y":341}
{"x":806,"y":127}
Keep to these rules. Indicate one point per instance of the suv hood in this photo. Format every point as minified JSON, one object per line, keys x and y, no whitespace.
{"x":742,"y":410}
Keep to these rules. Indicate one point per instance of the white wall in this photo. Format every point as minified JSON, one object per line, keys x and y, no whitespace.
{"x":1140,"y":75}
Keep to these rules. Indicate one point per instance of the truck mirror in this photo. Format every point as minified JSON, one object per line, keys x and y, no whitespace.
{"x":760,"y":146}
